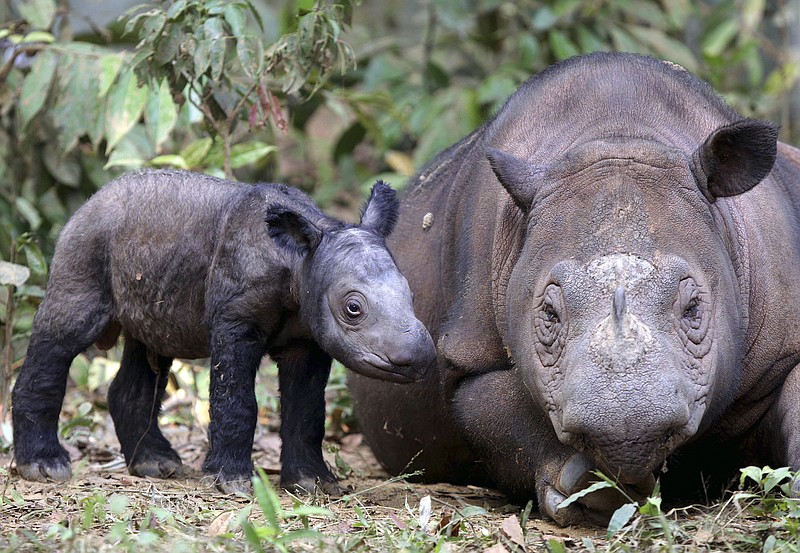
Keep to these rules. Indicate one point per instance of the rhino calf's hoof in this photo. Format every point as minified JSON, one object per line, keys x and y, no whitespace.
{"x":157,"y":467}
{"x":312,"y":485}
{"x":44,"y":471}
{"x":241,"y":485}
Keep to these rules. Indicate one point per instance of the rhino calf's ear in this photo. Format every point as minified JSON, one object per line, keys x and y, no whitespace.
{"x":735,"y":158}
{"x":291,"y":231}
{"x":381,"y":210}
{"x":516,"y":175}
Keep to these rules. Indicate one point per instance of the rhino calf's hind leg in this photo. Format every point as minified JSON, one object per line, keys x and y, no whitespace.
{"x":61,"y":330}
{"x":134,"y":401}
{"x":303,"y":371}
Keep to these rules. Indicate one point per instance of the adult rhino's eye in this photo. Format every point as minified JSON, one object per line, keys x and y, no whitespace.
{"x":692,"y":310}
{"x":691,"y":306}
{"x":549,"y":325}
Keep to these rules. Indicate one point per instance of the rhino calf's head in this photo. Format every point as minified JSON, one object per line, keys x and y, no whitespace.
{"x":352,"y":295}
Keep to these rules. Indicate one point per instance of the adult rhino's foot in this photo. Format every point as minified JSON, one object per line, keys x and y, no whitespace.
{"x":46,"y":470}
{"x":593,"y":508}
{"x":157,"y":465}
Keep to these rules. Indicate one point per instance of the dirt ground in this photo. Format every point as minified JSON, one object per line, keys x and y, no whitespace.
{"x":98,"y":466}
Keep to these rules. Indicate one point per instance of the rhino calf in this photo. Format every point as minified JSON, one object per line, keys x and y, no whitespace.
{"x":188,"y":266}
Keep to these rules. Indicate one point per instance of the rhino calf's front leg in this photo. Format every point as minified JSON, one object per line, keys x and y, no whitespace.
{"x":236,"y":353}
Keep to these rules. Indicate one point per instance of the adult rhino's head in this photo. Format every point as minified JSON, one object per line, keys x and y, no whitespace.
{"x":624,"y":310}
{"x":351,"y":293}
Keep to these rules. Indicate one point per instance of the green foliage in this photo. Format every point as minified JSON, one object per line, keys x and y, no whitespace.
{"x":275,"y":532}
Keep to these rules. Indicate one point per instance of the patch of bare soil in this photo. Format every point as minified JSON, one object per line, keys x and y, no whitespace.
{"x":98,"y":466}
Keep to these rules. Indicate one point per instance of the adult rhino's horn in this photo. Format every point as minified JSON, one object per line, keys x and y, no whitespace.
{"x":735,"y":158}
{"x":516,"y":175}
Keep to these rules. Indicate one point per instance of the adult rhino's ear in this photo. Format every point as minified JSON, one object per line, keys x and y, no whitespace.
{"x":516,"y":175}
{"x":381,"y":210}
{"x":291,"y":231}
{"x":735,"y":158}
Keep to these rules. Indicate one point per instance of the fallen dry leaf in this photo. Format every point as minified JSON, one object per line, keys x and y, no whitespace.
{"x":496,"y":548}
{"x":220,"y":524}
{"x":513,"y":530}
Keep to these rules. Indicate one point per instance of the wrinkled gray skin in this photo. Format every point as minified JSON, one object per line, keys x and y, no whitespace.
{"x":610,"y":270}
{"x":191,"y":266}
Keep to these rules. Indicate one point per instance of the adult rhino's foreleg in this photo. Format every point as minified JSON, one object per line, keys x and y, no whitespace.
{"x":523,"y":455}
{"x":134,"y":401}
{"x":303,"y":371}
{"x":62,"y":329}
{"x":236,"y":351}
{"x":781,"y":428}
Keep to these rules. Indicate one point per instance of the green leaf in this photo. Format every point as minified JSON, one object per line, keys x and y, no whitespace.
{"x":38,"y":36}
{"x":543,"y":19}
{"x":621,"y":517}
{"x":249,"y":49}
{"x":12,"y":274}
{"x":39,"y":13}
{"x":172,"y":160}
{"x":589,"y":41}
{"x":35,"y":258}
{"x":215,"y":35}
{"x":562,"y":46}
{"x":775,"y":477}
{"x":249,"y":152}
{"x":196,"y":152}
{"x":752,"y":14}
{"x":623,"y":41}
{"x":753,"y":473}
{"x":267,"y":499}
{"x":77,"y":110}
{"x":28,"y":212}
{"x":718,"y":39}
{"x":169,"y":45}
{"x":36,"y":86}
{"x":176,"y":9}
{"x":651,"y":507}
{"x":665,"y":46}
{"x":473,"y":510}
{"x":236,"y":18}
{"x":584,"y":492}
{"x":109,"y":69}
{"x":132,"y":150}
{"x":160,"y":114}
{"x":125,"y":105}
{"x":309,"y":511}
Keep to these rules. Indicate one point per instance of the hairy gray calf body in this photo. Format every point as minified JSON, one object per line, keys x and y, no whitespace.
{"x":185,"y":266}
{"x":609,"y":270}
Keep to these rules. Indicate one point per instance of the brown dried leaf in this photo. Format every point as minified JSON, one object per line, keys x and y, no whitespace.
{"x":220,"y":524}
{"x":513,"y":530}
{"x":399,"y":523}
{"x":496,"y":548}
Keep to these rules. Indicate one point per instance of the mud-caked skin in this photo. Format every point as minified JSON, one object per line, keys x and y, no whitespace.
{"x":191,"y":266}
{"x":610,"y":271}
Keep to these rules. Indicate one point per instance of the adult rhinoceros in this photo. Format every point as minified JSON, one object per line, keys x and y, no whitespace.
{"x":611,"y":271}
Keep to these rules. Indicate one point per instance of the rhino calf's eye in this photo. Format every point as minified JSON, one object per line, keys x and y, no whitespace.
{"x":353,"y":309}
